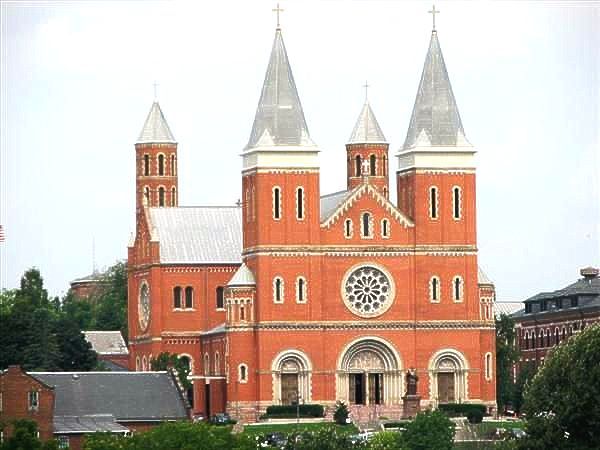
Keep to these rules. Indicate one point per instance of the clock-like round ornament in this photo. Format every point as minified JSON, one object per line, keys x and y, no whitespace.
{"x":368,"y":291}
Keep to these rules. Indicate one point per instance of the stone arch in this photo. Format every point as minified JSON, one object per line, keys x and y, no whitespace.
{"x":292,"y":375}
{"x":376,"y":363}
{"x":448,"y":369}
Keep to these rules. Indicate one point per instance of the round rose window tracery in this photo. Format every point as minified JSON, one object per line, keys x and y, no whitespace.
{"x":368,"y":291}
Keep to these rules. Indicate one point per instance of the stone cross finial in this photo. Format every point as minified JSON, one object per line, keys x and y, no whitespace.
{"x":278,"y":10}
{"x":433,"y":12}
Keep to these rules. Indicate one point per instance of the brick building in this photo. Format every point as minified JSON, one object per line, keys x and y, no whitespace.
{"x":110,"y":348}
{"x":293,"y":295}
{"x":85,"y":287}
{"x":69,"y":405}
{"x":552,"y":317}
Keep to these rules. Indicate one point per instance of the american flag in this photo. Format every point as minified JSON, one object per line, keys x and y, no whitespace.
{"x":1,"y":233}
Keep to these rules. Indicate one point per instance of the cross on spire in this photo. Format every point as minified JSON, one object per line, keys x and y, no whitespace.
{"x":366,"y":86}
{"x":278,"y":10}
{"x":433,"y":12}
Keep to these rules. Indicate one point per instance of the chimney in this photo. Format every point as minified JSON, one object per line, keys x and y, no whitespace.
{"x":589,"y":273}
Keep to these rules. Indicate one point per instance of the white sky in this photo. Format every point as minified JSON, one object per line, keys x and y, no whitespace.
{"x":77,"y":83}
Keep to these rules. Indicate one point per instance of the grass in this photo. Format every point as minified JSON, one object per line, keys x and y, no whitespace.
{"x":486,"y":427}
{"x":287,"y":428}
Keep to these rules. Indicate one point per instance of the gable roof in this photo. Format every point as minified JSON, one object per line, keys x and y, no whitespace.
{"x":357,"y":193}
{"x":106,"y":342}
{"x":156,"y":129}
{"x":367,"y":128}
{"x":129,"y":396}
{"x":197,"y":235}
{"x":330,"y":202}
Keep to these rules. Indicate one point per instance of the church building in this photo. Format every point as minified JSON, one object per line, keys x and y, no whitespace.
{"x":292,"y":296}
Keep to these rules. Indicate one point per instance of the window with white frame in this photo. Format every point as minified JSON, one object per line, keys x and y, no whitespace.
{"x":177,"y":297}
{"x":146,"y":164}
{"x":433,"y":202}
{"x":247,"y":205}
{"x":488,"y":366}
{"x":161,"y":196}
{"x":206,"y":364}
{"x":366,"y":225}
{"x":33,"y":400}
{"x":372,"y":165}
{"x":358,"y":166}
{"x":146,"y":195}
{"x":63,"y":441}
{"x":300,"y":203}
{"x":434,"y":289}
{"x":243,"y":373}
{"x":161,"y":164}
{"x":173,"y":165}
{"x":217,"y":363}
{"x":301,"y":290}
{"x":173,"y":196}
{"x":385,"y":228}
{"x":278,"y":290}
{"x":348,"y":228}
{"x":457,"y":289}
{"x":456,"y":203}
{"x":276,"y":203}
{"x":220,"y":297}
{"x":189,"y":297}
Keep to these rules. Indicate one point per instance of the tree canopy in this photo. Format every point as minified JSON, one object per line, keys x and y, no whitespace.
{"x":506,"y":356}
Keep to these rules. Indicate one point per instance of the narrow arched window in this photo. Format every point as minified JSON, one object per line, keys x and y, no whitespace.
{"x":173,"y":196}
{"x":301,"y":290}
{"x":366,"y":225}
{"x":189,"y":297}
{"x":457,"y":289}
{"x":372,"y":165}
{"x":278,"y":290}
{"x":243,"y":373}
{"x":526,"y":340}
{"x":161,"y":196}
{"x":433,"y":202}
{"x":358,"y":165}
{"x":385,"y":192}
{"x":217,"y":363}
{"x":300,"y":203}
{"x":348,"y":228}
{"x":177,"y":297}
{"x":173,"y":165}
{"x":146,"y":164}
{"x":242,"y":312}
{"x":206,"y":364}
{"x":434,"y":289}
{"x":385,"y":228}
{"x":276,"y":203}
{"x":253,"y":203}
{"x":456,"y":198}
{"x":220,"y":297}
{"x":146,"y":195}
{"x":384,"y":162}
{"x":488,"y":366}
{"x":161,"y":164}
{"x":138,"y":365}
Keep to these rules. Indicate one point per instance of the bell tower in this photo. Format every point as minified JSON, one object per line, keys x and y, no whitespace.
{"x":155,"y":163}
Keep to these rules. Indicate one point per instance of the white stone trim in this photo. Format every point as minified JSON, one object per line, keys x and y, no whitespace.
{"x":281,"y":157}
{"x":437,"y":157}
{"x":461,"y":381}
{"x":488,"y":365}
{"x":243,"y":380}
{"x":304,"y":375}
{"x":217,"y":363}
{"x":206,"y":363}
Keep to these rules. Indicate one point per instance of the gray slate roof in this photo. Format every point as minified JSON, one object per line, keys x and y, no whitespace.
{"x":98,"y":423}
{"x":582,"y":286}
{"x":279,"y":116}
{"x":507,"y":308}
{"x":435,"y":119}
{"x":196,"y":235}
{"x":242,"y":277}
{"x":129,"y":396}
{"x":367,"y":128}
{"x":330,"y":202}
{"x":155,"y":129}
{"x":107,"y":342}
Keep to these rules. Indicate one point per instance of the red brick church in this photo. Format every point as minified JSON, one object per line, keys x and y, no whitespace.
{"x":291,"y":295}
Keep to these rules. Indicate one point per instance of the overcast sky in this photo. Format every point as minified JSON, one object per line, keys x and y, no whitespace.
{"x":77,"y":83}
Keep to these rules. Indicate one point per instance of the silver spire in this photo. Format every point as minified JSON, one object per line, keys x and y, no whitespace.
{"x":155,"y":127}
{"x":279,"y":117}
{"x":435,"y":119}
{"x":366,"y":129}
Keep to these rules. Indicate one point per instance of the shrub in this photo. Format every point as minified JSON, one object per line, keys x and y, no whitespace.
{"x":431,"y":430}
{"x":474,"y":416}
{"x":341,"y":413}
{"x":287,"y":411}
{"x":461,"y":409}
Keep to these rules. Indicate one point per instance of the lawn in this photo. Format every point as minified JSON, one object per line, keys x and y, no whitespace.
{"x":286,"y":428}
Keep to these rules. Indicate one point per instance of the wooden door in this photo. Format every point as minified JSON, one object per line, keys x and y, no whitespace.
{"x":445,"y":387}
{"x":289,"y":388}
{"x":375,"y":388}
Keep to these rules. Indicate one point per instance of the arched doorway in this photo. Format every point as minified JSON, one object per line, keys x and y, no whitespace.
{"x":291,"y":371}
{"x":369,"y":373}
{"x":448,"y":371}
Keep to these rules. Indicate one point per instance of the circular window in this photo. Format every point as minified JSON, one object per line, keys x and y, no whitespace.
{"x":368,"y":291}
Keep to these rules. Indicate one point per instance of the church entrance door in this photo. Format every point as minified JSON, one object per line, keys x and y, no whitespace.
{"x":375,"y":388}
{"x":445,"y":387}
{"x":289,"y":388}
{"x":357,"y":388}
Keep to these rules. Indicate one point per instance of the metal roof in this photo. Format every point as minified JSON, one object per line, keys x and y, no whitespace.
{"x":435,"y":120}
{"x":156,"y":129}
{"x":129,"y":396}
{"x":367,"y":128}
{"x":583,"y":286}
{"x":482,"y":278}
{"x":107,"y":342}
{"x":242,"y":277}
{"x":507,"y":308}
{"x":97,"y":423}
{"x":330,"y":202}
{"x":200,"y":234}
{"x":279,"y":116}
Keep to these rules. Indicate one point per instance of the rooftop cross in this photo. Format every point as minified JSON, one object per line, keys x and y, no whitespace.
{"x":366,"y":86}
{"x":433,"y":12}
{"x":278,"y":10}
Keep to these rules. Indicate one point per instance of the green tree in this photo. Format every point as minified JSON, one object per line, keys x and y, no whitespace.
{"x":166,"y":361}
{"x":526,"y":373}
{"x":23,"y":436}
{"x":111,"y":300}
{"x":386,"y":440}
{"x":75,"y":352}
{"x":340,"y":416}
{"x":562,"y":401}
{"x":42,"y":352}
{"x":431,"y":430}
{"x":506,"y":356}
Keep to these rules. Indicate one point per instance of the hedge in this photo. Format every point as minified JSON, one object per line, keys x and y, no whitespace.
{"x":287,"y":411}
{"x":461,"y":409}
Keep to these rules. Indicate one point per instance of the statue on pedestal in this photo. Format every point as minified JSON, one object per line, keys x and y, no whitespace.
{"x":411,"y":382}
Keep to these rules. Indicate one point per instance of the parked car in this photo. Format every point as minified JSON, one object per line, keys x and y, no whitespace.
{"x":220,"y":419}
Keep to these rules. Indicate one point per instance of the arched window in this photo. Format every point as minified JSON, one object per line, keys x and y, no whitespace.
{"x":242,"y":312}
{"x":243,"y":373}
{"x":146,"y":195}
{"x":456,"y":198}
{"x":173,"y":196}
{"x":556,"y":336}
{"x":300,"y":203}
{"x":173,"y":165}
{"x":138,"y":365}
{"x":434,"y":289}
{"x":144,"y":364}
{"x":220,"y":297}
{"x":433,"y":202}
{"x":206,"y":364}
{"x":301,"y":290}
{"x":385,"y":228}
{"x":278,"y":290}
{"x":385,"y":192}
{"x":189,"y":297}
{"x":488,"y":366}
{"x":358,"y":165}
{"x":177,"y":297}
{"x":161,"y":196}
{"x":161,"y":164}
{"x":457,"y":289}
{"x":564,"y":333}
{"x":533,"y":340}
{"x":146,"y":164}
{"x":366,"y":225}
{"x":372,"y":165}
{"x":276,"y":203}
{"x":384,"y":162}
{"x":526,"y":343}
{"x":217,"y":363}
{"x":348,"y":228}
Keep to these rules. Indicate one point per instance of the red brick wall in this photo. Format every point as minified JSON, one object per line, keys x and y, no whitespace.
{"x":381,"y":178}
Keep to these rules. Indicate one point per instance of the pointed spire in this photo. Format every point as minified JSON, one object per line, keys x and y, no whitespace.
{"x":435,"y":112}
{"x":155,"y":127}
{"x":279,"y":117}
{"x":367,"y":128}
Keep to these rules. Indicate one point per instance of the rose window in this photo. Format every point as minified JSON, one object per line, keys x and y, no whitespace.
{"x":368,"y":291}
